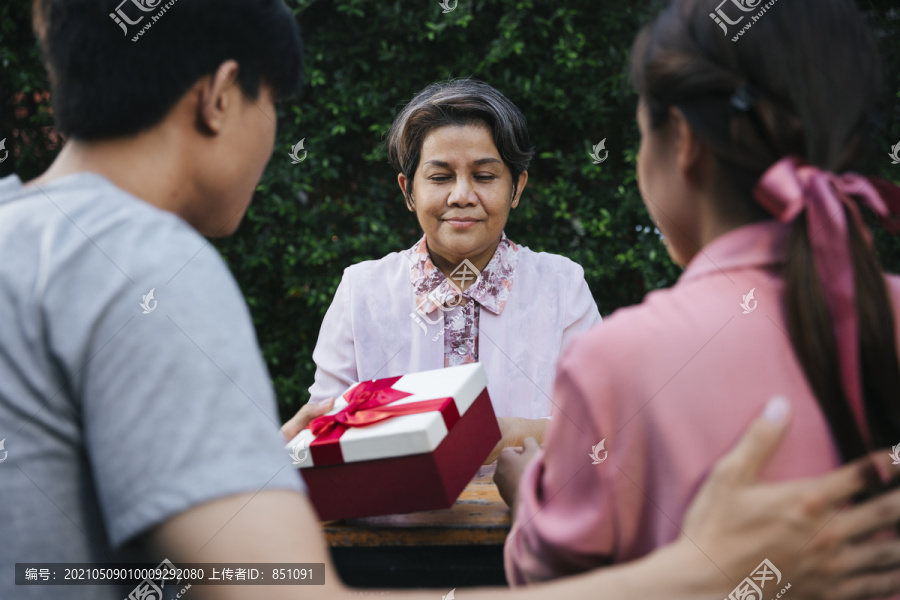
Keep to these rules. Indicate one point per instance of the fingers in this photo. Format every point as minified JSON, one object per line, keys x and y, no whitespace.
{"x":884,"y":465}
{"x":863,"y":473}
{"x":870,"y":585}
{"x":307,"y":413}
{"x":530,"y":445}
{"x":511,"y":452}
{"x":292,"y":427}
{"x":494,"y":455}
{"x":756,"y":446}
{"x":873,"y":515}
{"x":326,"y":406}
{"x":871,"y":556}
{"x":515,"y":453}
{"x":507,"y":453}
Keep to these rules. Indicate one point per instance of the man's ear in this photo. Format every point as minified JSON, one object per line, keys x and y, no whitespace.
{"x":216,"y":95}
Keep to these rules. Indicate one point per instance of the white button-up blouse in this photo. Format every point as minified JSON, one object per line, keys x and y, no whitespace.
{"x":378,"y":326}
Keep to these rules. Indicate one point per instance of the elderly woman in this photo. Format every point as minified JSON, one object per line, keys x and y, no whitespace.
{"x":464,"y":292}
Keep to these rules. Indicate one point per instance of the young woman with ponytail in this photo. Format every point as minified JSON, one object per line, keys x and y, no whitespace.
{"x":748,"y":163}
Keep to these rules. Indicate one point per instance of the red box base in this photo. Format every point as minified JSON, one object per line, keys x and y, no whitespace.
{"x":407,"y":483}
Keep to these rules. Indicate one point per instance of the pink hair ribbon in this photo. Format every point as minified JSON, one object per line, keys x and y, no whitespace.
{"x":787,"y":189}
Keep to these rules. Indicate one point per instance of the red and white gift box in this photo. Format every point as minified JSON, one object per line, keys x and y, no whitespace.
{"x":398,"y":445}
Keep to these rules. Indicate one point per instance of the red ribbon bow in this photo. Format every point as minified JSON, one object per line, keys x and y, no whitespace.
{"x":365,"y":405}
{"x":789,"y":187}
{"x":368,"y":403}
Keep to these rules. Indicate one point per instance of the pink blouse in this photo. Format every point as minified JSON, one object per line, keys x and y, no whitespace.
{"x":521,"y":311}
{"x":668,"y":386}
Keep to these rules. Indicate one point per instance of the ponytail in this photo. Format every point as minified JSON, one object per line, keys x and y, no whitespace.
{"x":812,"y":337}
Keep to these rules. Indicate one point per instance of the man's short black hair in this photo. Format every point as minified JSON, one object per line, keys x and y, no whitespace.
{"x":117,"y":67}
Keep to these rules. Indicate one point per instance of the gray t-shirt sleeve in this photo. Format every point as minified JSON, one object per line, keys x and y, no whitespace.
{"x":176,"y":403}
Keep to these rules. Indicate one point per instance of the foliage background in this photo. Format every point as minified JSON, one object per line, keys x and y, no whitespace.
{"x":562,"y":63}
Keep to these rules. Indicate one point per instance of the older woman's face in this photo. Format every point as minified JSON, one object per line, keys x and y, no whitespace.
{"x":462,"y":192}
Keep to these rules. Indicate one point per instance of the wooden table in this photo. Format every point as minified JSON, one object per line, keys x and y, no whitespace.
{"x":461,"y":546}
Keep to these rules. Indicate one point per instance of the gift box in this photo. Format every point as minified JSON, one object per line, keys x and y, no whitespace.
{"x":398,"y":445}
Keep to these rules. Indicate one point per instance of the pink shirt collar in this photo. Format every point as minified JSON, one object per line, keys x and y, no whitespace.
{"x":756,"y":245}
{"x":491,"y":288}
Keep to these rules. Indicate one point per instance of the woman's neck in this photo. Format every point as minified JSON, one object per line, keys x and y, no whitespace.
{"x":718,"y":217}
{"x":449,"y":264}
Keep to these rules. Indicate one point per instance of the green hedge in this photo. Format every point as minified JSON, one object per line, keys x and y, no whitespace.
{"x":564,"y":65}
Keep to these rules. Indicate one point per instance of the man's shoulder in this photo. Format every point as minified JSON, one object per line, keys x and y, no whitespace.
{"x":89,"y":203}
{"x":85,"y":215}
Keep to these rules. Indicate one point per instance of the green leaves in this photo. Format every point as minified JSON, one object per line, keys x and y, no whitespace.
{"x":564,"y":64}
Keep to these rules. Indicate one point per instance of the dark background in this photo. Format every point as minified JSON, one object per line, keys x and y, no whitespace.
{"x":564,"y":66}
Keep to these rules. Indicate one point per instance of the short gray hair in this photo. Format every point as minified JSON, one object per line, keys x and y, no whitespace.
{"x":459,"y":102}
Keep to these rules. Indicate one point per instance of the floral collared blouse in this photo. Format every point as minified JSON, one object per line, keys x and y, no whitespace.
{"x":462,"y":310}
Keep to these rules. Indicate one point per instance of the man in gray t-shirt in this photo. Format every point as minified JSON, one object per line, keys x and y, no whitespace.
{"x":131,"y":385}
